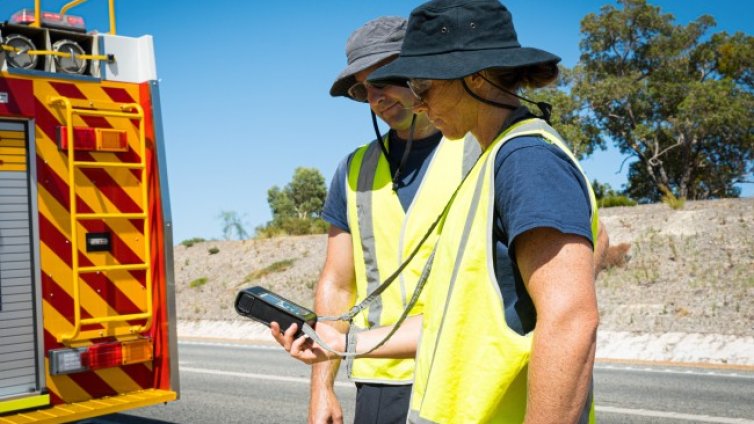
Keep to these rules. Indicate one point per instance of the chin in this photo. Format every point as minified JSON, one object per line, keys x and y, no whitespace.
{"x":451,"y":134}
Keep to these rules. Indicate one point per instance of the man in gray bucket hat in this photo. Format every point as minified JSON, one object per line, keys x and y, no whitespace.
{"x":383,"y":198}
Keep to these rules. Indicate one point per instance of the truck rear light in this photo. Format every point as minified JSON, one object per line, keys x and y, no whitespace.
{"x":103,"y":355}
{"x":109,"y":140}
{"x":137,"y":351}
{"x":100,"y":355}
{"x":67,"y":361}
{"x":94,"y":139}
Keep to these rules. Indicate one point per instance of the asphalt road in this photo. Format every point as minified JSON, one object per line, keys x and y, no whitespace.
{"x":257,"y":384}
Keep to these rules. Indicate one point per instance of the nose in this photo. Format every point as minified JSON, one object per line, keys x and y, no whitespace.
{"x":374,"y":93}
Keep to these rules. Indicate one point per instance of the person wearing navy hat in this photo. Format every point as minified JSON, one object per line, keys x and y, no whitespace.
{"x":508,"y":330}
{"x":381,"y":199}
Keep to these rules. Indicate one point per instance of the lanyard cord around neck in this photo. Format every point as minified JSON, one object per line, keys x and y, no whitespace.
{"x":406,"y":151}
{"x":309,"y":331}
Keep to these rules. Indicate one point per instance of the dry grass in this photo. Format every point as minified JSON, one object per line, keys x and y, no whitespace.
{"x":690,"y":270}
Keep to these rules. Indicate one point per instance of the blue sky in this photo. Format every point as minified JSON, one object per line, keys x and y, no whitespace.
{"x":244,"y":87}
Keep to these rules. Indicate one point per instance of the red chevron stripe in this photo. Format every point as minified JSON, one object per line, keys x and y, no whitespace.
{"x":51,"y":342}
{"x":54,"y":398}
{"x":93,"y":384}
{"x":48,"y":123}
{"x":96,"y":121}
{"x":59,"y":298}
{"x":67,"y":90}
{"x":20,"y":95}
{"x":59,"y":190}
{"x":118,"y":95}
{"x":110,"y":189}
{"x":140,"y":374}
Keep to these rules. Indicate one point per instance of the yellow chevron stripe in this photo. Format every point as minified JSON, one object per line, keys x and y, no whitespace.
{"x":64,"y":387}
{"x":118,"y":379}
{"x":93,"y":92}
{"x":55,"y":212}
{"x":59,"y":271}
{"x":55,"y":323}
{"x":91,"y":197}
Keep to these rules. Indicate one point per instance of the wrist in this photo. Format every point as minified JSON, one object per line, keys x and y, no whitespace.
{"x":351,"y":342}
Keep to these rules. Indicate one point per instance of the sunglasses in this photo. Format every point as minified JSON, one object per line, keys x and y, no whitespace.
{"x":419,"y":88}
{"x":360,"y":92}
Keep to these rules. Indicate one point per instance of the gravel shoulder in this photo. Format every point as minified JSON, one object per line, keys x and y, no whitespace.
{"x":684,"y":294}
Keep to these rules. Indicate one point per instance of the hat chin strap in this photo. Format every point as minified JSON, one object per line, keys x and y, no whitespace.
{"x":544,"y":107}
{"x":406,"y":151}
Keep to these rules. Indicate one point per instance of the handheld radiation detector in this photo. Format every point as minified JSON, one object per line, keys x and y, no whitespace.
{"x":264,"y":306}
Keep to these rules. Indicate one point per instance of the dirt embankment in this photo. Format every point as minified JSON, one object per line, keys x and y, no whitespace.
{"x":689,"y":270}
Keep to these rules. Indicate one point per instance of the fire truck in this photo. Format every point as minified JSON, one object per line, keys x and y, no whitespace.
{"x":87,"y":302}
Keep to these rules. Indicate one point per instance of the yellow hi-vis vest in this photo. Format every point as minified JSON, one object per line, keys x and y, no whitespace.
{"x":471,"y":367}
{"x":384,"y":235}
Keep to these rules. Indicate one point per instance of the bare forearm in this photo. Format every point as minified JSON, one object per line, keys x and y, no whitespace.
{"x":330,"y":299}
{"x":560,"y":369}
{"x":335,"y":294}
{"x":558,"y":271}
{"x":402,"y":344}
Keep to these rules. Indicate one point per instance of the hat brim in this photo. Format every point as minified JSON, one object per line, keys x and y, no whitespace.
{"x":458,"y":64}
{"x":346,"y":78}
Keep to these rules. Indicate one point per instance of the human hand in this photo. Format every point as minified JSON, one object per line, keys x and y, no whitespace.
{"x":324,"y":408}
{"x":305,"y":349}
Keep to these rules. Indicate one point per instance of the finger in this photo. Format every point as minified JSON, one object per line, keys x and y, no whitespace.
{"x":301,"y":348}
{"x":290,"y":333}
{"x":280,"y":336}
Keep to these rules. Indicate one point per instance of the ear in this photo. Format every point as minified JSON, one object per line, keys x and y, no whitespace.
{"x":475,"y":80}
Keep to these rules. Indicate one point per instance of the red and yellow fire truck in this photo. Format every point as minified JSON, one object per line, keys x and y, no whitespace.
{"x":87,"y":305}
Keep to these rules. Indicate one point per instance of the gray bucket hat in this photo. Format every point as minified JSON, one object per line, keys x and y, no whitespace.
{"x":374,"y":42}
{"x":450,"y":39}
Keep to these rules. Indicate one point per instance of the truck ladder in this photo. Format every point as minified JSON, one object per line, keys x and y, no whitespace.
{"x":132,"y":111}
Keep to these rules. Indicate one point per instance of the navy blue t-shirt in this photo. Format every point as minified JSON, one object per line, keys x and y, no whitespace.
{"x":536,"y":185}
{"x":335,"y":210}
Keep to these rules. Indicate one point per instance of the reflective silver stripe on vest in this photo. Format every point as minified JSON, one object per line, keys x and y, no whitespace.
{"x":471,"y":152}
{"x":365,"y":215}
{"x":414,"y":418}
{"x":456,"y":268}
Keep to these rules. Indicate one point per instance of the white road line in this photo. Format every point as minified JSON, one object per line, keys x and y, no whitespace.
{"x":748,"y":376}
{"x":673,"y":415}
{"x":607,"y":409}
{"x":233,"y":345}
{"x":258,"y":376}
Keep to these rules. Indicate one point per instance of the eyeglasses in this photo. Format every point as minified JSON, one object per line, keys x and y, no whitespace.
{"x":419,"y":88}
{"x":360,"y":92}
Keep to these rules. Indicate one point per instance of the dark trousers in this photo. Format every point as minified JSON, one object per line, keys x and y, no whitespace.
{"x":381,"y":403}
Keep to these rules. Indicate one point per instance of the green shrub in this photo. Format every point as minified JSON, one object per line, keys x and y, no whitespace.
{"x":671,"y":200}
{"x":278,"y":266}
{"x":213,"y":250}
{"x":616,"y":200}
{"x":198,"y":282}
{"x":192,"y":241}
{"x":292,"y":226}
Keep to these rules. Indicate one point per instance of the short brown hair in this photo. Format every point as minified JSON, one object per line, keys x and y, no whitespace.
{"x":532,"y":76}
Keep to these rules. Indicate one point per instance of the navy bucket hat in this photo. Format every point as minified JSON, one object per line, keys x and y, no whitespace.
{"x":450,"y":39}
{"x":375,"y":41}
